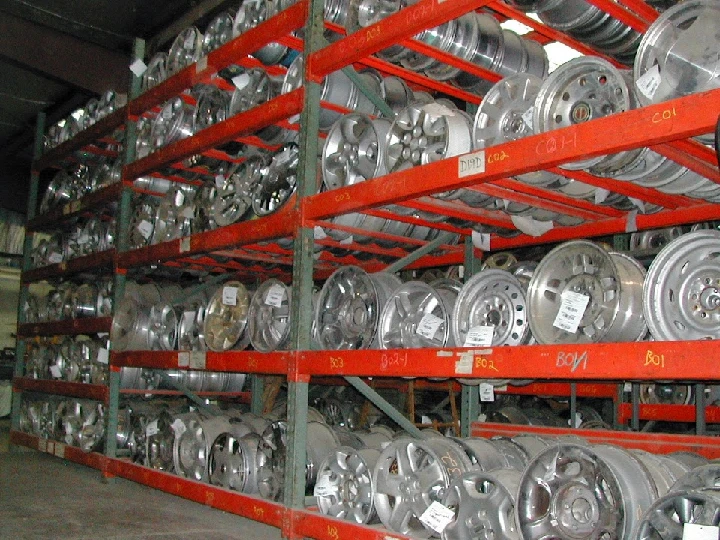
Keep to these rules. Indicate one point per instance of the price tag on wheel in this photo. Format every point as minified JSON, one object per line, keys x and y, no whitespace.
{"x":429,"y":325}
{"x":694,"y":531}
{"x":479,"y":336}
{"x":145,"y":228}
{"x":572,"y":309}
{"x":178,"y":427}
{"x":437,"y":517}
{"x":152,"y":429}
{"x":229,"y":296}
{"x":274,"y":296}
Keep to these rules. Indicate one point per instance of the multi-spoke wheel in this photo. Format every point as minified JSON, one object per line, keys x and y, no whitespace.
{"x":409,"y":476}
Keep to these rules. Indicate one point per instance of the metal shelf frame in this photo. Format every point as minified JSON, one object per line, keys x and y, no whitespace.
{"x":576,"y":370}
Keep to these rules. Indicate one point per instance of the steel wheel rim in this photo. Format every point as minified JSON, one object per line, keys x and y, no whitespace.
{"x":345,"y":487}
{"x":185,"y":50}
{"x":409,"y":476}
{"x":404,"y":312}
{"x":484,"y":505}
{"x":679,"y":299}
{"x":269,"y":324}
{"x":668,"y":44}
{"x":580,"y":90}
{"x":422,"y":134}
{"x":224,"y":325}
{"x":347,"y":310}
{"x":278,"y":182}
{"x":492,"y":298}
{"x":568,"y":492}
{"x":582,"y":267}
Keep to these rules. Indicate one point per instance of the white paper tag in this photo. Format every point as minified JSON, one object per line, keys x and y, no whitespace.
{"x":530,"y":226}
{"x":425,"y":420}
{"x":487,"y":392}
{"x":693,"y":531}
{"x":188,"y":212}
{"x":197,"y":360}
{"x":578,"y":421}
{"x":178,"y":426}
{"x":183,"y":359}
{"x":464,"y":365}
{"x":282,"y":157}
{"x":323,"y":486}
{"x":639,"y":204}
{"x":627,"y":387}
{"x":600,"y":195}
{"x":103,"y":356}
{"x":294,"y":119}
{"x":572,"y":309}
{"x":437,"y":109}
{"x":274,"y":296}
{"x":649,"y":82}
{"x":138,"y":67}
{"x":55,"y":372}
{"x":188,"y":318}
{"x":437,"y":517}
{"x":319,"y":233}
{"x":429,"y":325}
{"x":527,"y":117}
{"x":152,"y":429}
{"x":184,"y":245}
{"x":145,"y":228}
{"x":347,"y":241}
{"x":219,"y":180}
{"x":479,"y":336}
{"x":229,"y":296}
{"x":179,"y":198}
{"x":59,"y":450}
{"x":201,"y":65}
{"x":631,"y":222}
{"x":481,"y":240}
{"x":55,"y":258}
{"x":241,"y":81}
{"x":471,"y":164}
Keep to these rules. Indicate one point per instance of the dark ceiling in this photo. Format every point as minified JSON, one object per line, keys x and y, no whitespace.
{"x":56,"y":54}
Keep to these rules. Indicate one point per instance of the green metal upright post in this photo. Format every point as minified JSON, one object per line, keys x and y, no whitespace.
{"x":469,"y":394}
{"x":294,"y":495}
{"x":122,"y":221}
{"x":20,"y":346}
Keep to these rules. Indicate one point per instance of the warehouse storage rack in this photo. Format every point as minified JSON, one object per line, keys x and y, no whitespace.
{"x":597,"y":369}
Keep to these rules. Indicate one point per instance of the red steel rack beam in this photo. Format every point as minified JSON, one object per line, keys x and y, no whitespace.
{"x":667,"y":218}
{"x":407,"y":22}
{"x":94,"y":261}
{"x":240,"y":361}
{"x":88,"y":202}
{"x":668,"y":413}
{"x":59,"y":449}
{"x":70,"y":327}
{"x":628,"y":189}
{"x":680,"y":118}
{"x":64,"y":388}
{"x":622,"y":14}
{"x":278,"y":225}
{"x":660,"y":360}
{"x":86,"y":137}
{"x":659,"y":443}
{"x":245,"y":123}
{"x":236,"y":50}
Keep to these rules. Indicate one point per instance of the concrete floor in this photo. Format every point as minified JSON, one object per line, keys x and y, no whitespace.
{"x":44,"y":497}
